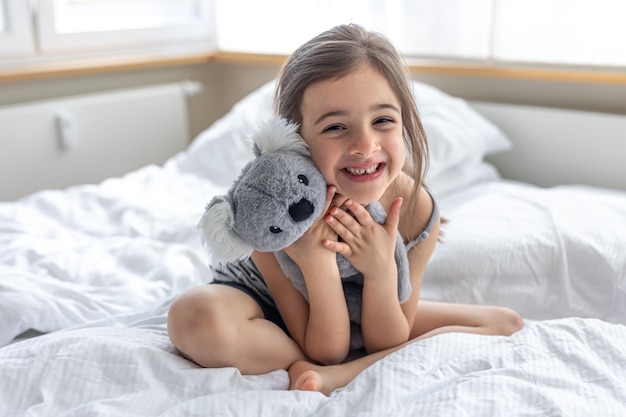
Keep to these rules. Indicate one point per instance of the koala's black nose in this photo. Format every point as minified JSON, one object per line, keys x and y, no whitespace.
{"x":301,"y":210}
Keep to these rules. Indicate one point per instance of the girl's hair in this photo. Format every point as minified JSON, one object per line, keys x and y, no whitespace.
{"x":335,"y":53}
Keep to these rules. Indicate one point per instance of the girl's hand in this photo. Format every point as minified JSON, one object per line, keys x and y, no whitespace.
{"x":368,"y":246}
{"x":309,"y":248}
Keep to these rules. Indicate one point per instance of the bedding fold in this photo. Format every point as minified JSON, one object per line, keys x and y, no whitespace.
{"x":554,"y":367}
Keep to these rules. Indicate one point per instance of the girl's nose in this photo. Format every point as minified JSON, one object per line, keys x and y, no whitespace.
{"x":364,"y":143}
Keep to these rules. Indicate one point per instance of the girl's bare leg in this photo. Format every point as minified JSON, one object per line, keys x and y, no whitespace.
{"x":432,"y":318}
{"x":220,"y":326}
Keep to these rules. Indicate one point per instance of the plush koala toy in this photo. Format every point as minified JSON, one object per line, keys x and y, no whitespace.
{"x":278,"y":195}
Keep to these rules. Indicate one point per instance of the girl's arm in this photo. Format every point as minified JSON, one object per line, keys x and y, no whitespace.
{"x":414,"y":221}
{"x":321,"y":327}
{"x":369,"y":247}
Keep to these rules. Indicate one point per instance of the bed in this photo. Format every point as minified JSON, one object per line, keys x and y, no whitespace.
{"x":87,"y":274}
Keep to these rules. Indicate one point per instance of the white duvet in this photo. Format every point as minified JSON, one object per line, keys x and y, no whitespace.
{"x":95,"y":267}
{"x":71,"y":257}
{"x":567,"y":367}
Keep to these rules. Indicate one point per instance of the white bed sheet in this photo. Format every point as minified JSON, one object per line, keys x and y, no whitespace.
{"x":546,"y":252}
{"x":75,"y":256}
{"x":565,"y":367}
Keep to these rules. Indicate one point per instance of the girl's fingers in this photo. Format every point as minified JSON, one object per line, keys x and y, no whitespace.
{"x":338,"y":247}
{"x":393,"y":217}
{"x":359,"y":212}
{"x":347,"y":220}
{"x":337,"y":221}
{"x":330,"y":197}
{"x":351,"y":220}
{"x":339,"y":199}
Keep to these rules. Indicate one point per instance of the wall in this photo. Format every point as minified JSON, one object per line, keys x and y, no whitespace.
{"x":226,"y":83}
{"x":203,"y":109}
{"x":600,"y":97}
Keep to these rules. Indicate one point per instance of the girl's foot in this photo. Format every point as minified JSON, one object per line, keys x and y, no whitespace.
{"x":305,"y":376}
{"x":309,"y":381}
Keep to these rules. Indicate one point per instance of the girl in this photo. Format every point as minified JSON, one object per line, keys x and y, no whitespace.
{"x":349,"y":91}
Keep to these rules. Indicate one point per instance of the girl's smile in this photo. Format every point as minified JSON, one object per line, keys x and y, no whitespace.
{"x":365,"y":173}
{"x":353,"y":125}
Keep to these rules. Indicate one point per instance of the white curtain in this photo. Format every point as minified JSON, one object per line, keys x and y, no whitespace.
{"x":448,"y":28}
{"x":547,"y":32}
{"x":578,"y":32}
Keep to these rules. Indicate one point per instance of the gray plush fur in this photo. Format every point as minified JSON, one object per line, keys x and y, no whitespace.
{"x":276,"y":198}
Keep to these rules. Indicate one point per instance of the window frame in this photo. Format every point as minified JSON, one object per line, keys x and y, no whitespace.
{"x":197,"y":36}
{"x":18,"y":39}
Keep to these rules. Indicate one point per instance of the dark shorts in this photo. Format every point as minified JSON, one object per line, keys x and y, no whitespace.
{"x":269,"y":310}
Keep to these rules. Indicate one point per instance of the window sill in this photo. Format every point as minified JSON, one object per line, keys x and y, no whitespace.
{"x":92,"y":66}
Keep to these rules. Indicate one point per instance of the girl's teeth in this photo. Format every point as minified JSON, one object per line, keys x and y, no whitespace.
{"x":362,"y":171}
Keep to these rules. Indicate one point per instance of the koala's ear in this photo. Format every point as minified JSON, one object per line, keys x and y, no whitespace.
{"x":276,"y":135}
{"x":219,"y":237}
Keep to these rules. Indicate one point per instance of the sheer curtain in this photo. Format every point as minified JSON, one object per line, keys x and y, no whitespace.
{"x":448,"y":28}
{"x":570,"y":32}
{"x":499,"y":32}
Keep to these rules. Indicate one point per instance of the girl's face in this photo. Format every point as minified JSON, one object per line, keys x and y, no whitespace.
{"x":353,"y":126}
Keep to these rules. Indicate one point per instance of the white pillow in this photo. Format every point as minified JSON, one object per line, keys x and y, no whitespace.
{"x":461,"y":176}
{"x":457,"y":135}
{"x":547,"y":253}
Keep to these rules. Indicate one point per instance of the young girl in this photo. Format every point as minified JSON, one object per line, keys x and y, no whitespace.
{"x":349,"y":91}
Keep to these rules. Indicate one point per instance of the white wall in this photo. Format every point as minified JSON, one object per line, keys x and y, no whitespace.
{"x":203,"y":108}
{"x":225,"y":83}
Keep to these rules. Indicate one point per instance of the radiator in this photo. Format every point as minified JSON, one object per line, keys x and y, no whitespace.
{"x":87,"y":138}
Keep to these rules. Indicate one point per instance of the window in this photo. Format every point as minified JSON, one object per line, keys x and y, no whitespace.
{"x":453,"y":29}
{"x":562,"y":32}
{"x":3,"y":23}
{"x":499,"y":32}
{"x":70,"y":25}
{"x":16,"y":36}
{"x":78,"y":29}
{"x":578,"y":33}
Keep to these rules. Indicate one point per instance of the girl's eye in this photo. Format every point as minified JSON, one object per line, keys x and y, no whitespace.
{"x":332,"y":128}
{"x":383,"y":120}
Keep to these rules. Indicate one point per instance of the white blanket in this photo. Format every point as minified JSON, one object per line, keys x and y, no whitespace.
{"x":71,"y":257}
{"x":567,"y":367}
{"x":548,"y":253}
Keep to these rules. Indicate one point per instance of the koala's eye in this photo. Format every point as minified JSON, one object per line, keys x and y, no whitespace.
{"x":303,"y":179}
{"x":275,"y":229}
